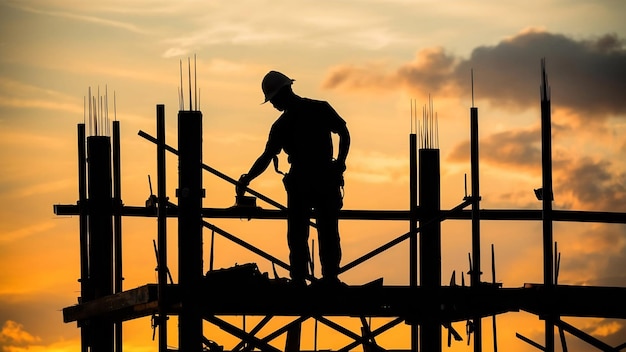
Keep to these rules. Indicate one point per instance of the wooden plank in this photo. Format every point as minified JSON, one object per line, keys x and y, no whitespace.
{"x":121,"y":306}
{"x":457,"y":303}
{"x":575,"y":301}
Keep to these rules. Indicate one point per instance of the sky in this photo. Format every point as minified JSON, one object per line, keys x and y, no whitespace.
{"x":371,"y":60}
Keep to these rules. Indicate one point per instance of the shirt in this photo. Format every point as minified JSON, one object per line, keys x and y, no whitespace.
{"x":303,"y":131}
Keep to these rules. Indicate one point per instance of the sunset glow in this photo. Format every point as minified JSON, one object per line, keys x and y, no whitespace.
{"x":370,"y":60}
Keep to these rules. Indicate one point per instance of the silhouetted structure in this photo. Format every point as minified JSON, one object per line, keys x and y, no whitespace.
{"x":425,"y":304}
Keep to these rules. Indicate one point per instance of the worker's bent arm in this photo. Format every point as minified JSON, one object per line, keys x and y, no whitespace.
{"x":260,"y":165}
{"x":344,"y":145}
{"x":257,"y":168}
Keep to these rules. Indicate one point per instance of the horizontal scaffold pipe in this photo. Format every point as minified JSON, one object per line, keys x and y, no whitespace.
{"x":280,"y":213}
{"x":485,"y":214}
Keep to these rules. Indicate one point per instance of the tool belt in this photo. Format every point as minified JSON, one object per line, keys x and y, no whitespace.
{"x":333,"y":177}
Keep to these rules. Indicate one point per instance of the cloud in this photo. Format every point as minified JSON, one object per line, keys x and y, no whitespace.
{"x":105,"y":22}
{"x":16,"y":94}
{"x":587,"y":75}
{"x":13,"y":338}
{"x":225,"y":26}
{"x":43,"y":104}
{"x":519,"y":148}
{"x":371,"y":76}
{"x":583,"y":183}
{"x":430,"y":71}
{"x":231,"y":33}
{"x":594,"y":254}
{"x":607,"y":328}
{"x":609,"y":331}
{"x":26,"y":231}
{"x":13,"y":334}
{"x":376,"y":167}
{"x":594,"y":184}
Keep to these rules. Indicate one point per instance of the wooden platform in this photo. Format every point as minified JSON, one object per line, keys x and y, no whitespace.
{"x":410,"y":303}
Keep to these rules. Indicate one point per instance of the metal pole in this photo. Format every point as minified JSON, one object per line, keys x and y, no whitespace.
{"x":476,"y":269}
{"x":100,"y":235}
{"x":85,"y":290}
{"x":546,"y":167}
{"x":413,"y":244}
{"x":117,"y":224}
{"x":162,"y":228}
{"x":430,"y":246}
{"x":190,"y":194}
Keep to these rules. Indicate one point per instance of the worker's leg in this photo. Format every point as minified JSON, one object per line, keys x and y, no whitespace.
{"x":298,"y":218}
{"x":328,"y":208}
{"x":329,"y":243}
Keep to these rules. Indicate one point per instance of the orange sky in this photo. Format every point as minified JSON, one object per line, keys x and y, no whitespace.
{"x":369,"y":59}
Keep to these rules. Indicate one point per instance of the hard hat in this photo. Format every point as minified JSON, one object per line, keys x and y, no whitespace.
{"x":273,"y":82}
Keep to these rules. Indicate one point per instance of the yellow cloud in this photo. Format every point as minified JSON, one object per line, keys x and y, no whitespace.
{"x":14,"y":333}
{"x":607,"y":329}
{"x":39,"y":104}
{"x":26,"y":231}
{"x":376,"y":167}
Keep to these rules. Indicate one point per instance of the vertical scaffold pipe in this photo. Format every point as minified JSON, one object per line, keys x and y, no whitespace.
{"x":100,"y":236}
{"x":162,"y":227}
{"x":546,"y":167}
{"x":86,"y":293}
{"x":430,"y":246}
{"x":190,"y":194}
{"x":117,"y":224}
{"x":413,"y":244}
{"x":476,"y":271}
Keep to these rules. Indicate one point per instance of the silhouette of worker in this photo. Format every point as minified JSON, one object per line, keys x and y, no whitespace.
{"x":314,"y":181}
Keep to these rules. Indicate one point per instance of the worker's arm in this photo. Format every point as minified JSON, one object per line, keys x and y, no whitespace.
{"x":272,"y":148}
{"x":344,"y":146}
{"x":260,"y":165}
{"x":257,"y":169}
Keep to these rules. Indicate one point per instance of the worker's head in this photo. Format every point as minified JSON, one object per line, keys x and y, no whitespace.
{"x":274,"y":83}
{"x":283,"y":98}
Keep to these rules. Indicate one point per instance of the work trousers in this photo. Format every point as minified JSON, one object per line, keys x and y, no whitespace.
{"x":319,"y":198}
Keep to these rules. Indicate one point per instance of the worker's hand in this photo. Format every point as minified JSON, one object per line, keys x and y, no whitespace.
{"x":338,"y":167}
{"x":243,"y":182}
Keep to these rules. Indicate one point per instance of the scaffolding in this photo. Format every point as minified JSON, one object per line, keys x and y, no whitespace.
{"x":427,"y":307}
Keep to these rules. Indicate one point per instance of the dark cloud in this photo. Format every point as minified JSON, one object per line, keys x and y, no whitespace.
{"x":587,"y":76}
{"x":610,"y":331}
{"x":520,"y":148}
{"x":600,"y":255}
{"x":429,"y":72}
{"x":615,"y":275}
{"x":594,"y":184}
